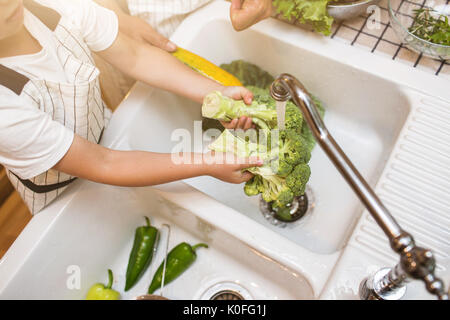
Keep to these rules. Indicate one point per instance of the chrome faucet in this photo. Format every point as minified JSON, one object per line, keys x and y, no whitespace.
{"x":415,"y":262}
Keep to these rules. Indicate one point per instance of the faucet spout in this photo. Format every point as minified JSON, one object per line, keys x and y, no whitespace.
{"x":287,"y":87}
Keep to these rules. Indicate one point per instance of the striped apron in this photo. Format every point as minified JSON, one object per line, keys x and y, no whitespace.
{"x":77,"y":105}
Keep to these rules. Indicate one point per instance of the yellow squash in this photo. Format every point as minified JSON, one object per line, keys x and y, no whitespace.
{"x":206,"y":68}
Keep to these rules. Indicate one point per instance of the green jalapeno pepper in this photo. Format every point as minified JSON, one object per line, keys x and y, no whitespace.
{"x":178,"y":260}
{"x":101,"y":292}
{"x":142,"y":253}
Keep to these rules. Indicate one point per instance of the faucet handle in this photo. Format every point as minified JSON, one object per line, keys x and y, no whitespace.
{"x":419,"y":263}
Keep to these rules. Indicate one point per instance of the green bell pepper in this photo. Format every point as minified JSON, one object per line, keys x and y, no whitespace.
{"x":141,"y":254}
{"x":179,"y":260}
{"x":101,"y":292}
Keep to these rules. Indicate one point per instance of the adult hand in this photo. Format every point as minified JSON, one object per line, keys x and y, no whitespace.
{"x":135,"y":27}
{"x":245,"y":13}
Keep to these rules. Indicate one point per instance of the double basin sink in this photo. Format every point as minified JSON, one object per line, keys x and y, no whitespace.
{"x":370,"y":102}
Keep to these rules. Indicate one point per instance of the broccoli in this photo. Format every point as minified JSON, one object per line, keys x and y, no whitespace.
{"x":285,"y":171}
{"x":254,"y":186}
{"x":216,"y":106}
{"x":293,"y":147}
{"x":298,"y":178}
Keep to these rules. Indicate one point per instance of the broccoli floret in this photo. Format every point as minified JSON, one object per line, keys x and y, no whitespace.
{"x":284,"y":213}
{"x":285,"y":197}
{"x":262,"y":96}
{"x":219,"y":107}
{"x":298,"y":178}
{"x":293,"y":118}
{"x":292,"y":150}
{"x":273,"y":186}
{"x":293,"y":147}
{"x":253,"y":186}
{"x":280,"y":167}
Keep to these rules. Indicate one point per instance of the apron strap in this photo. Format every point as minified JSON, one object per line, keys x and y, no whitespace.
{"x":43,"y":188}
{"x":12,"y":80}
{"x":48,"y":16}
{"x":36,"y":188}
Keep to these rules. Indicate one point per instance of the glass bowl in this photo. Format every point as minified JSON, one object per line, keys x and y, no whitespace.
{"x":403,"y":18}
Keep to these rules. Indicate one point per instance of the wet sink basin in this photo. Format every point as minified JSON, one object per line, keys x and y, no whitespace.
{"x":365,"y":114}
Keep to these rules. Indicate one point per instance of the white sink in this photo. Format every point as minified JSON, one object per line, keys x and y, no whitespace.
{"x":391,"y":120}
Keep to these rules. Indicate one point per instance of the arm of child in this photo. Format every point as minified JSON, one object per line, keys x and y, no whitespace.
{"x":140,"y":168}
{"x":160,"y":69}
{"x":135,"y":27}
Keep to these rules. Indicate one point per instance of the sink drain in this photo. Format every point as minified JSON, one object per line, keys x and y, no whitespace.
{"x":226,"y":291}
{"x":227,"y":295}
{"x":299,"y":207}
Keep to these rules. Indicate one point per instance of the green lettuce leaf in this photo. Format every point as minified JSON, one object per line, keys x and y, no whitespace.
{"x":313,"y":12}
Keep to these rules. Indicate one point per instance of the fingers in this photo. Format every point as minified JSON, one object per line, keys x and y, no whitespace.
{"x":243,"y":123}
{"x":246,"y":95}
{"x":238,"y":93}
{"x":241,"y":18}
{"x":236,"y":4}
{"x":230,"y":125}
{"x":248,"y":124}
{"x":245,"y":176}
{"x":250,"y":162}
{"x":246,"y":13}
{"x":158,"y":40}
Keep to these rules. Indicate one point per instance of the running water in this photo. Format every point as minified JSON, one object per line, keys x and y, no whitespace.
{"x":281,"y":114}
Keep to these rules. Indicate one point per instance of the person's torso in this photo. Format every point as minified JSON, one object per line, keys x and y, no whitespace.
{"x":64,"y":84}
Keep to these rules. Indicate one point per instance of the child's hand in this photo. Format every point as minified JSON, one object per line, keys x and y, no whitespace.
{"x":238,"y":93}
{"x":229,"y":168}
{"x":141,"y":31}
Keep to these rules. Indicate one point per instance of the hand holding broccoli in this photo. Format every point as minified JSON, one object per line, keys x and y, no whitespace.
{"x":240,"y":94}
{"x":229,"y":167}
{"x":285,"y":153}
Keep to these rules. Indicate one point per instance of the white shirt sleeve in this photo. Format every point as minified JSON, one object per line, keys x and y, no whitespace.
{"x":30,"y":141}
{"x":98,"y":26}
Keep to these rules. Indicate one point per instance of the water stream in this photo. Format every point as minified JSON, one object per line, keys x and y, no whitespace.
{"x":281,"y":113}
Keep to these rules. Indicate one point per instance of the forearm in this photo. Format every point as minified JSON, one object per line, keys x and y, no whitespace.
{"x":167,"y":73}
{"x":158,"y":68}
{"x":140,"y":168}
{"x":93,"y":162}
